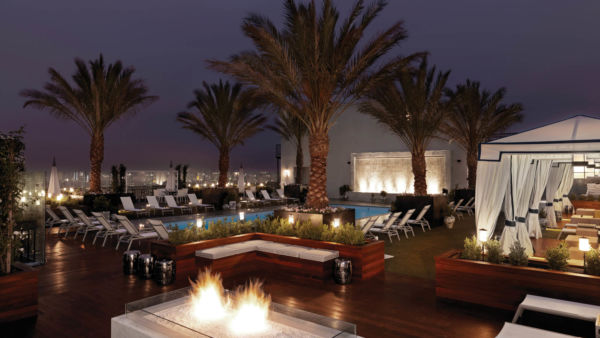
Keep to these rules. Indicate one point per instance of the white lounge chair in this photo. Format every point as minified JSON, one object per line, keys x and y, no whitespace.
{"x":89,"y":226}
{"x":510,"y":330}
{"x":53,"y":219}
{"x":194,"y":201}
{"x":267,"y":197}
{"x":403,"y":226}
{"x":108,"y":230}
{"x":380,"y":220}
{"x":128,"y":206}
{"x":160,"y":228}
{"x":468,"y":207}
{"x":368,"y":225}
{"x":387,"y":228}
{"x":154,"y":205}
{"x":74,"y":223}
{"x":456,"y":206}
{"x":172,"y":204}
{"x":253,"y":199}
{"x":132,"y":233}
{"x":559,"y":307}
{"x":282,"y":196}
{"x":420,"y":220}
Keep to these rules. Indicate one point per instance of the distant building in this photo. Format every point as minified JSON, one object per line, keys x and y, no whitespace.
{"x":367,"y":156}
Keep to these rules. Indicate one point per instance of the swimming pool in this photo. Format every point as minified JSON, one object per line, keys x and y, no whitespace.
{"x":360,"y":212}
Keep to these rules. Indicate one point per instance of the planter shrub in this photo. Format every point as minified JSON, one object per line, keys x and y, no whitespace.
{"x":557,"y":257}
{"x":493,"y":251}
{"x":592,"y":261}
{"x":295,"y":191}
{"x":219,"y":196}
{"x":517,"y":255}
{"x":471,"y":251}
{"x":114,"y":201}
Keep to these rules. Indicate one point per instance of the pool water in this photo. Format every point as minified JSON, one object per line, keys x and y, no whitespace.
{"x":360,"y":212}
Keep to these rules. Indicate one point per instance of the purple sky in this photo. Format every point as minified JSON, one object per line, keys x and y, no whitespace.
{"x":545,"y":52}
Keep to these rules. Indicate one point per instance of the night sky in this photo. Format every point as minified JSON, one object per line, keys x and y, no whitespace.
{"x":547,"y":53}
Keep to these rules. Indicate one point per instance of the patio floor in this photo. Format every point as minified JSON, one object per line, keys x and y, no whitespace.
{"x":82,"y":286}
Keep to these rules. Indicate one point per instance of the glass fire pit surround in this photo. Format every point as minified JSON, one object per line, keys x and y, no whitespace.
{"x":170,"y":315}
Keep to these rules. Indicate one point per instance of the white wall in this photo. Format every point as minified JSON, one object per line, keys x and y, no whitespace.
{"x":356,"y":133}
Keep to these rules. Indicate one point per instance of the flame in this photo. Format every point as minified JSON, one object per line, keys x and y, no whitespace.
{"x":208,"y":301}
{"x":251,"y":309}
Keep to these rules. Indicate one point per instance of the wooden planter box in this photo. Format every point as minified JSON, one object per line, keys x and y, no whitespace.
{"x":586,"y":204}
{"x":367,"y":260}
{"x":504,"y":286}
{"x":345,"y":216}
{"x":19,"y":294}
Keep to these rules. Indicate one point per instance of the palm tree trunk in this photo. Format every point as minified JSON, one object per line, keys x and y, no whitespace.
{"x":472,"y":167}
{"x":317,"y":189}
{"x":419,"y":169}
{"x":299,"y":162}
{"x":96,"y":158}
{"x":6,"y":266}
{"x":223,"y":167}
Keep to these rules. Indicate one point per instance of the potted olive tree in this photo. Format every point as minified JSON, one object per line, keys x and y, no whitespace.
{"x":18,"y":284}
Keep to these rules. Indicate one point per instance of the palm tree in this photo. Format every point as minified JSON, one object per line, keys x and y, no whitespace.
{"x":102,"y":94}
{"x":292,"y":129}
{"x":474,"y":116}
{"x":315,"y":67}
{"x":411,"y":105}
{"x":225,"y":117}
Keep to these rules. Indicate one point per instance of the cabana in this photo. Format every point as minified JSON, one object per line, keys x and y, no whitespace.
{"x":514,"y":172}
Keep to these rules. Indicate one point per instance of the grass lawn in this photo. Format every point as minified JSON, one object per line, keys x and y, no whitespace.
{"x":414,"y":256}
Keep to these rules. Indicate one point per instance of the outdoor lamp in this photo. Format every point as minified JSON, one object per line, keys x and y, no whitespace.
{"x":584,"y":245}
{"x":199,"y":222}
{"x":141,"y":226}
{"x":482,"y":237}
{"x":241,"y":216}
{"x":59,"y":197}
{"x":291,"y":219}
{"x":336,"y":222}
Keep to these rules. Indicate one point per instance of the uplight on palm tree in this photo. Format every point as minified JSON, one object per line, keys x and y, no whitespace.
{"x":315,"y":67}
{"x":292,"y":129}
{"x":224,"y":115}
{"x":474,"y":116}
{"x":410,"y":104}
{"x":101,"y":95}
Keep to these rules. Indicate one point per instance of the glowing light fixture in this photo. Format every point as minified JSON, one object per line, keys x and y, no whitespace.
{"x":141,"y":226}
{"x":242,"y":215}
{"x":286,"y":173}
{"x":336,"y":222}
{"x":584,"y":244}
{"x":199,"y":222}
{"x":59,"y":197}
{"x":291,"y":219}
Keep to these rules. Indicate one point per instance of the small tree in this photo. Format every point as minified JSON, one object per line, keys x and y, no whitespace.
{"x":122,"y":182}
{"x":114,"y":182}
{"x":12,"y":166}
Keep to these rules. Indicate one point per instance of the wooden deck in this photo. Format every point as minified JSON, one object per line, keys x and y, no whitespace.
{"x":82,"y":286}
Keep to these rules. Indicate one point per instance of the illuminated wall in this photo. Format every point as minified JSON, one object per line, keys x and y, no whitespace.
{"x":392,"y":172}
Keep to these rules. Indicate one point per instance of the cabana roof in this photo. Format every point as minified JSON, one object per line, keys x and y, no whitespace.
{"x":558,"y":141}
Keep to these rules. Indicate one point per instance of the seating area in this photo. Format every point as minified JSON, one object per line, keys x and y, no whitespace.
{"x":265,"y":255}
{"x":391,"y":224}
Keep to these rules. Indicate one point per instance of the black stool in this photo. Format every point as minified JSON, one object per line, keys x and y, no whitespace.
{"x":129,"y":261}
{"x":164,"y":271}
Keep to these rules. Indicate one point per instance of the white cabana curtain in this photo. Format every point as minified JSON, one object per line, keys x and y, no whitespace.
{"x":562,"y":194}
{"x":540,"y":180}
{"x":53,"y":184}
{"x":556,"y":175}
{"x":241,"y":183}
{"x":516,"y":203}
{"x":492,"y":178}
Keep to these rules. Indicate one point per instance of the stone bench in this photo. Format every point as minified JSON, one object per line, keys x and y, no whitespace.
{"x":249,"y":255}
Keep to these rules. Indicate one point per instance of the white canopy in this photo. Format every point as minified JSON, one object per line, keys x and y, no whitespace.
{"x":497,"y":171}
{"x":53,"y":184}
{"x":558,"y":140}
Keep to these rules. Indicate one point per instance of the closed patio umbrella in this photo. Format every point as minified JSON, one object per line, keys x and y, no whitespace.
{"x":53,"y":185}
{"x":171,"y":179}
{"x":241,"y":183}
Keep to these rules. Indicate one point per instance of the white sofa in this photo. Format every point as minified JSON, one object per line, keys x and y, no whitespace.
{"x":295,"y":251}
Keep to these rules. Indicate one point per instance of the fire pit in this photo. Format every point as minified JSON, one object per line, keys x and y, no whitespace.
{"x":206,"y":309}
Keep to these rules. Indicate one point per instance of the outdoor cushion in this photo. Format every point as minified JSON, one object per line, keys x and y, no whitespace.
{"x":220,"y":252}
{"x":318,"y":255}
{"x":148,"y":234}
